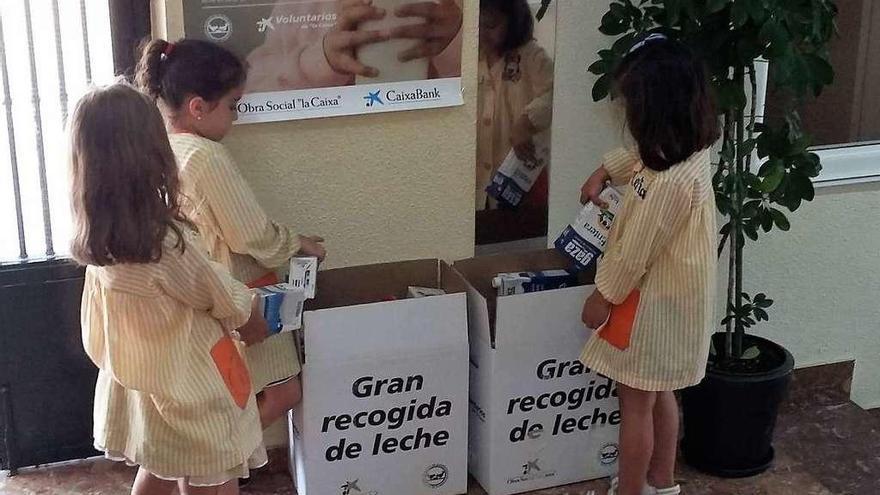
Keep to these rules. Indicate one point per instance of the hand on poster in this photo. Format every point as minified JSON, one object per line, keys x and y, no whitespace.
{"x":340,"y":45}
{"x":442,"y":22}
{"x":521,"y":138}
{"x":594,"y":186}
{"x":311,"y":246}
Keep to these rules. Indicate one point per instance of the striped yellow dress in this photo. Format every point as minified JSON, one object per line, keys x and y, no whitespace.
{"x":659,"y":272}
{"x":173,"y":393}
{"x":238,"y":234}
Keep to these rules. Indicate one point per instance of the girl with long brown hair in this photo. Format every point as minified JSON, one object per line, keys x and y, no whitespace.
{"x":173,"y":393}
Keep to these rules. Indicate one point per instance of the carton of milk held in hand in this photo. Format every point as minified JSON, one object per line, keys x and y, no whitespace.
{"x":584,"y":239}
{"x":304,"y":274}
{"x":282,"y":307}
{"x":515,"y":177}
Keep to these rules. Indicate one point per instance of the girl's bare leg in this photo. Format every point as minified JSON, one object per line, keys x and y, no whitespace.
{"x":661,"y":473}
{"x":147,"y":484}
{"x":636,"y":438}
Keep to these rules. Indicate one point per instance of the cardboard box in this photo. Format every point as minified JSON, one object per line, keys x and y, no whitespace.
{"x":538,"y":417}
{"x":385,"y":406}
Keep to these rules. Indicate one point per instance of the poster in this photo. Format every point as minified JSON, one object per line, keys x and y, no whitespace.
{"x":325,"y":58}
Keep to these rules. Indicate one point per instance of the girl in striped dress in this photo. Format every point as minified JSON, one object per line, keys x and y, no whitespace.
{"x":654,"y":299}
{"x":173,"y":394}
{"x":197,"y":85}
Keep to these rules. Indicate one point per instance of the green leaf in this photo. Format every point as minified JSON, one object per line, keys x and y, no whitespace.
{"x":751,"y":353}
{"x":713,"y":6}
{"x":761,"y":315}
{"x":766,"y":221}
{"x":773,"y":179}
{"x":770,"y":166}
{"x":780,"y":220}
{"x":602,"y":87}
{"x":600,"y":67}
{"x":747,"y":147}
{"x":607,"y":54}
{"x":804,"y":186}
{"x":623,"y":44}
{"x":774,"y":37}
{"x":614,"y":24}
{"x":739,"y":14}
{"x":750,"y":231}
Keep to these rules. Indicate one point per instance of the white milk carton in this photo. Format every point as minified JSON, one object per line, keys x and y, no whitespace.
{"x":523,"y":282}
{"x":584,"y":239}
{"x":281,"y":306}
{"x":414,"y":292}
{"x":385,"y":404}
{"x":515,"y":177}
{"x":304,"y":274}
{"x":539,"y":418}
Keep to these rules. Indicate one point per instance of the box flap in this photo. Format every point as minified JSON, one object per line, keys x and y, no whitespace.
{"x":479,"y":271}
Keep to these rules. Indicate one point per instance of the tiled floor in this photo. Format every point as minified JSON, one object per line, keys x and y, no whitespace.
{"x":826,"y":446}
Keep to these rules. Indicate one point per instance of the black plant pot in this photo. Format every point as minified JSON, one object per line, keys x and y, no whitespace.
{"x":730,"y":416}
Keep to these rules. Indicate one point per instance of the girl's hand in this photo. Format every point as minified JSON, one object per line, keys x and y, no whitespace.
{"x":255,"y":330}
{"x":596,"y":310}
{"x":594,"y":186}
{"x":442,"y":23}
{"x":341,"y":44}
{"x":311,"y":246}
{"x":521,"y":138}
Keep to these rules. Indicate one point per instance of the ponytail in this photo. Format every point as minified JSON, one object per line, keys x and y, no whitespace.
{"x":172,"y":72}
{"x":148,"y":75}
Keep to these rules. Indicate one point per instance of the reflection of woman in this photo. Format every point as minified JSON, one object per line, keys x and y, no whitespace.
{"x":515,"y":99}
{"x":321,"y":53}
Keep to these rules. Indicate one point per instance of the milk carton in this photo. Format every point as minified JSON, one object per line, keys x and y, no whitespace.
{"x":523,"y":282}
{"x":515,"y":177}
{"x":584,"y":239}
{"x":304,"y":274}
{"x":414,"y":292}
{"x":282,"y":307}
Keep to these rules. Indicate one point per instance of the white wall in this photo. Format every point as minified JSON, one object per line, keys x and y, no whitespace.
{"x":824,"y":274}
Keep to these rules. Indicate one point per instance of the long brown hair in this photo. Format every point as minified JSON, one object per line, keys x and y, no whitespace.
{"x":123,"y":178}
{"x":171,"y":72}
{"x":669,"y":107}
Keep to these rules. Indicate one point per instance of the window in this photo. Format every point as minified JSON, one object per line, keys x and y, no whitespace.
{"x":50,"y":52}
{"x":844,"y":121}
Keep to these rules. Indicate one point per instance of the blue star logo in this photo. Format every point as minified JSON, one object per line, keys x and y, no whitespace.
{"x":373,"y":98}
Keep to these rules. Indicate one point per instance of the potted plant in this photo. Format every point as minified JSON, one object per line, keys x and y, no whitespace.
{"x":763,"y":169}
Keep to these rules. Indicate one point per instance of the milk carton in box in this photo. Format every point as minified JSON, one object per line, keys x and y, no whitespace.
{"x":509,"y":284}
{"x":515,"y":177}
{"x":281,"y":306}
{"x":584,"y":239}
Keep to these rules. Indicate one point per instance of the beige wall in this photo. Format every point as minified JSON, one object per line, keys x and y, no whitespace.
{"x":824,"y":275}
{"x":379,"y":187}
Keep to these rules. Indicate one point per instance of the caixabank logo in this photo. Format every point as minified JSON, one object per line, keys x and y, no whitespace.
{"x":352,"y":487}
{"x":532,"y":469}
{"x":401,"y":96}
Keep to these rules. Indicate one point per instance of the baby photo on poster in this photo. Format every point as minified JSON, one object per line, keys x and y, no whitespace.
{"x":323,"y":58}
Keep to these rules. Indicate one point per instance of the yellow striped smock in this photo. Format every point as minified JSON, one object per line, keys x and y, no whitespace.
{"x":659,"y":271}
{"x":238,"y":234}
{"x":166,"y":396}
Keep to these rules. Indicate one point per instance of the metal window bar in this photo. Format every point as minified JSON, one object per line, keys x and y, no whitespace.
{"x":85,"y":35}
{"x":13,"y":157}
{"x":38,"y":122}
{"x":59,"y":55}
